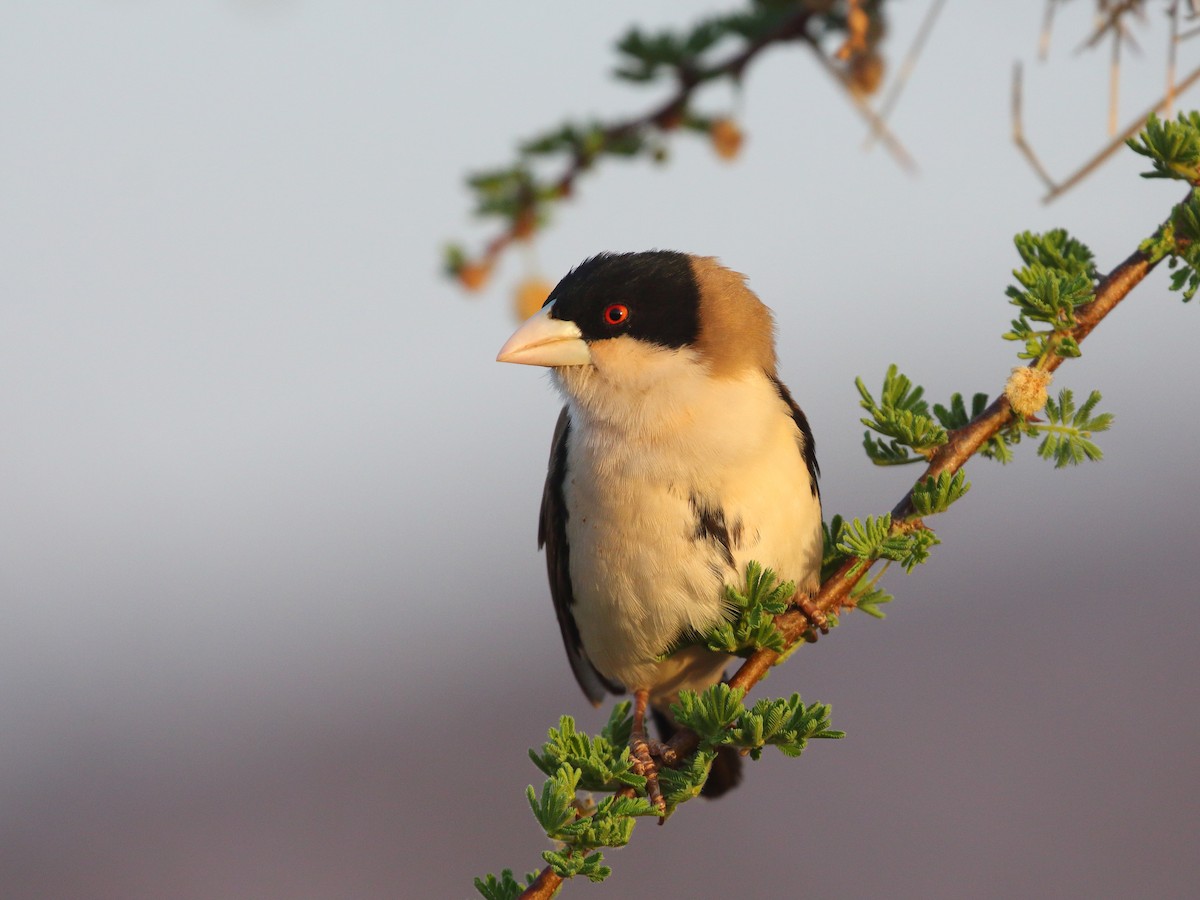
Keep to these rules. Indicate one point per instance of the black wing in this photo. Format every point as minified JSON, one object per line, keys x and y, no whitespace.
{"x":552,"y":534}
{"x":808,"y":447}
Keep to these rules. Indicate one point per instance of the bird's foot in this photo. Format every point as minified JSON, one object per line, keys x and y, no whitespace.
{"x":643,"y":750}
{"x":817,"y":620}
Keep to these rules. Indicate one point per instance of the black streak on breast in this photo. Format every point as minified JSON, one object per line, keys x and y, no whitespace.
{"x":711,"y":526}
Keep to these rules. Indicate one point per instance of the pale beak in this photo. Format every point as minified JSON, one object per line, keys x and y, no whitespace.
{"x":543,"y":341}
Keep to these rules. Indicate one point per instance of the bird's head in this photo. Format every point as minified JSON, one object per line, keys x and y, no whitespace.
{"x":634,"y":321}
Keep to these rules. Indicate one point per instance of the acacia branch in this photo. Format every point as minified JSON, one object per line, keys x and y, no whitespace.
{"x":961,"y":445}
{"x":665,"y":116}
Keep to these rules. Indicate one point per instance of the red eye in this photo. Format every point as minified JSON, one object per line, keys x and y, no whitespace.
{"x":616,"y":313}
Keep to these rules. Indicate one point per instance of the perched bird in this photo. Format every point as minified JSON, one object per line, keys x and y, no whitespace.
{"x":679,"y":457}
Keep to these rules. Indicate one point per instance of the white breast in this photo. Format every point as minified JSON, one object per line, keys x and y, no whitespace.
{"x":642,"y":573}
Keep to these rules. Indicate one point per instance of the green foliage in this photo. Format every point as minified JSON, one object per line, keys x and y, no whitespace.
{"x":877,"y":537}
{"x":902,"y":416}
{"x":568,"y":865}
{"x":1054,"y":250}
{"x":1173,"y":147}
{"x":609,"y":824}
{"x":644,"y":57}
{"x":785,"y":724}
{"x":831,"y":556}
{"x":709,"y":714}
{"x":454,"y":257}
{"x":720,"y":719}
{"x":603,"y":761}
{"x":684,"y":783}
{"x":934,"y":495}
{"x":1069,"y":430}
{"x":502,"y":192}
{"x":1183,"y":234}
{"x":578,"y":762}
{"x":756,"y":605}
{"x":555,"y":807}
{"x":1057,"y":279}
{"x":683,"y":59}
{"x":867,"y":597}
{"x":956,"y":416}
{"x":506,"y":887}
{"x":682,"y":55}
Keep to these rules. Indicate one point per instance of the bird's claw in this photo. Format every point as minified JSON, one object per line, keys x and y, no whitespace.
{"x":642,"y":752}
{"x":817,"y":620}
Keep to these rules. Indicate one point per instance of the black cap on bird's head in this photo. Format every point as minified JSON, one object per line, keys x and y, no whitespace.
{"x":651,"y":296}
{"x":661,"y":297}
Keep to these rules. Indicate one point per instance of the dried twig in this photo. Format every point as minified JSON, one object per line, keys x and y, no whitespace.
{"x":889,"y":140}
{"x":1112,"y":21}
{"x":1172,"y":53}
{"x":906,"y":69}
{"x":1018,"y":130}
{"x":1056,"y":188}
{"x":1047,"y":25}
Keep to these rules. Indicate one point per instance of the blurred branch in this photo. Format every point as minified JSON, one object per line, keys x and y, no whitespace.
{"x":1057,"y":188}
{"x":906,"y":69}
{"x":522,"y":198}
{"x":858,"y":101}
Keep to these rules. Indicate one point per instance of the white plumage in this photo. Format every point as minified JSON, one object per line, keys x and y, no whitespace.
{"x":678,"y":458}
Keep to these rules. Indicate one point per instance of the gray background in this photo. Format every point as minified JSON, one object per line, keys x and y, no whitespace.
{"x":272,"y":623}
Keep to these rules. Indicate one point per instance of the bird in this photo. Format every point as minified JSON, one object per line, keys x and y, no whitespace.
{"x":678,"y":457}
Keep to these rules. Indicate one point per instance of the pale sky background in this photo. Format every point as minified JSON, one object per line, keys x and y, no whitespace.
{"x":272,"y":620}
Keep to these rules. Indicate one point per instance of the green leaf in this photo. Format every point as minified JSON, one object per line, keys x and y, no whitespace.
{"x":1068,"y":431}
{"x":506,"y":887}
{"x":1173,"y":147}
{"x":871,"y":539}
{"x":902,"y":415}
{"x":934,"y":495}
{"x":876,"y":538}
{"x":1054,"y":249}
{"x":603,"y":762}
{"x":919,"y":542}
{"x":1058,"y":277}
{"x":755,"y":606}
{"x":888,"y":453}
{"x":869,"y":598}
{"x":1183,"y":234}
{"x":684,"y":783}
{"x":956,"y":416}
{"x":554,"y":809}
{"x":709,"y":714}
{"x":785,"y":724}
{"x":569,"y":864}
{"x":832,"y":557}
